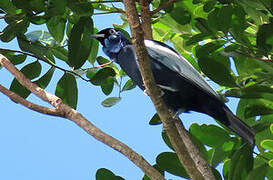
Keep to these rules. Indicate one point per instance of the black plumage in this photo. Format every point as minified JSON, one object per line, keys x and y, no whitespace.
{"x":184,"y":89}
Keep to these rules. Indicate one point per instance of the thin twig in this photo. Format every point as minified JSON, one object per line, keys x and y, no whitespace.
{"x":113,"y":1}
{"x":108,"y":12}
{"x":81,"y":121}
{"x":35,"y":107}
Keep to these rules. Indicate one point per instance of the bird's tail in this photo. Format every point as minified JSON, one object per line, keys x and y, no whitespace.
{"x":240,"y":128}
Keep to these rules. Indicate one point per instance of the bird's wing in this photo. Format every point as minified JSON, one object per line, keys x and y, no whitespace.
{"x":173,"y":60}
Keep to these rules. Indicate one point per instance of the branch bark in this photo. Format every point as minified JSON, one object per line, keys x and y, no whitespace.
{"x":80,"y":120}
{"x":188,"y":154}
{"x":146,"y":18}
{"x":35,"y":107}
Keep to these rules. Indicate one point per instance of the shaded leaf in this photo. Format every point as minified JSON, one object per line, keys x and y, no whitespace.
{"x":107,"y":86}
{"x":166,"y":139}
{"x":79,"y":43}
{"x":67,"y":90}
{"x":241,"y":163}
{"x":265,"y":37}
{"x":169,"y":162}
{"x":31,"y":71}
{"x":101,"y":75}
{"x":56,"y":26}
{"x":257,"y":173}
{"x":45,"y":79}
{"x":105,"y":174}
{"x":155,"y":120}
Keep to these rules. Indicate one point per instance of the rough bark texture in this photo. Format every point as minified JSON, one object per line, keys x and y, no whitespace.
{"x":186,"y":151}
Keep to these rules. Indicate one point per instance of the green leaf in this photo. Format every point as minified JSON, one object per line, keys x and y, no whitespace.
{"x":265,"y":37}
{"x":37,"y":49}
{"x":108,"y":85}
{"x":225,"y":18}
{"x":209,"y":5}
{"x":155,"y":120}
{"x":101,"y":75}
{"x":105,"y":174}
{"x":56,"y":7}
{"x":166,"y":139}
{"x":13,"y":29}
{"x":60,"y":53}
{"x":31,"y":71}
{"x":217,"y":69}
{"x":241,"y":163}
{"x":110,"y":101}
{"x":128,"y":85}
{"x":67,"y":90}
{"x":101,"y":60}
{"x":181,"y":15}
{"x":79,"y":43}
{"x":56,"y":26}
{"x":271,"y":128}
{"x":14,"y":58}
{"x":210,"y":135}
{"x":81,"y":8}
{"x":257,"y":173}
{"x":270,"y":163}
{"x":45,"y":79}
{"x":8,"y":7}
{"x":267,"y":144}
{"x":94,"y":50}
{"x":169,"y":162}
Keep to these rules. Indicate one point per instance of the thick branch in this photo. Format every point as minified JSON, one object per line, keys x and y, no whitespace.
{"x":146,"y":19}
{"x":41,"y":109}
{"x":178,"y":139}
{"x":81,"y":121}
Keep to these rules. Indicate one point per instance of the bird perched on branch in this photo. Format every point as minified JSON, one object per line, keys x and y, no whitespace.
{"x":184,"y":89}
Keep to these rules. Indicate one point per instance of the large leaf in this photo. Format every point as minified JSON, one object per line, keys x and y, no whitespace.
{"x":169,"y":162}
{"x":31,"y":71}
{"x":210,"y":135}
{"x":45,"y":79}
{"x":265,"y":37}
{"x":105,"y":174}
{"x":241,"y":163}
{"x":101,"y":76}
{"x":79,"y":43}
{"x":8,"y":7}
{"x":56,"y":26}
{"x":67,"y":90}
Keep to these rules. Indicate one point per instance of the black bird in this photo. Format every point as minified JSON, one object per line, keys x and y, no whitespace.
{"x":184,"y":89}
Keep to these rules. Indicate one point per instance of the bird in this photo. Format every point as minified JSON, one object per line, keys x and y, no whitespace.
{"x":183,"y":88}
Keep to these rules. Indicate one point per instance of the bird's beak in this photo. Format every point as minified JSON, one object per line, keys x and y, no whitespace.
{"x":97,"y":36}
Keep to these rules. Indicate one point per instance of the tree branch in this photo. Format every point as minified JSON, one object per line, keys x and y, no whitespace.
{"x":81,"y":121}
{"x":146,"y":19}
{"x":166,"y":4}
{"x":41,"y":109}
{"x":177,"y":134}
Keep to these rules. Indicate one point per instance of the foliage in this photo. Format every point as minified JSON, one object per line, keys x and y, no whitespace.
{"x":210,"y":34}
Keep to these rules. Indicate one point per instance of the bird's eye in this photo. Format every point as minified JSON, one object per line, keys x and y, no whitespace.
{"x":112,"y":31}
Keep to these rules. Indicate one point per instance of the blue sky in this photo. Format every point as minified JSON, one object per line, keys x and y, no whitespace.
{"x":41,"y":147}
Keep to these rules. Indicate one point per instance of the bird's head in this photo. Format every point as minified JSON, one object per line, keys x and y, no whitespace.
{"x":112,"y":41}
